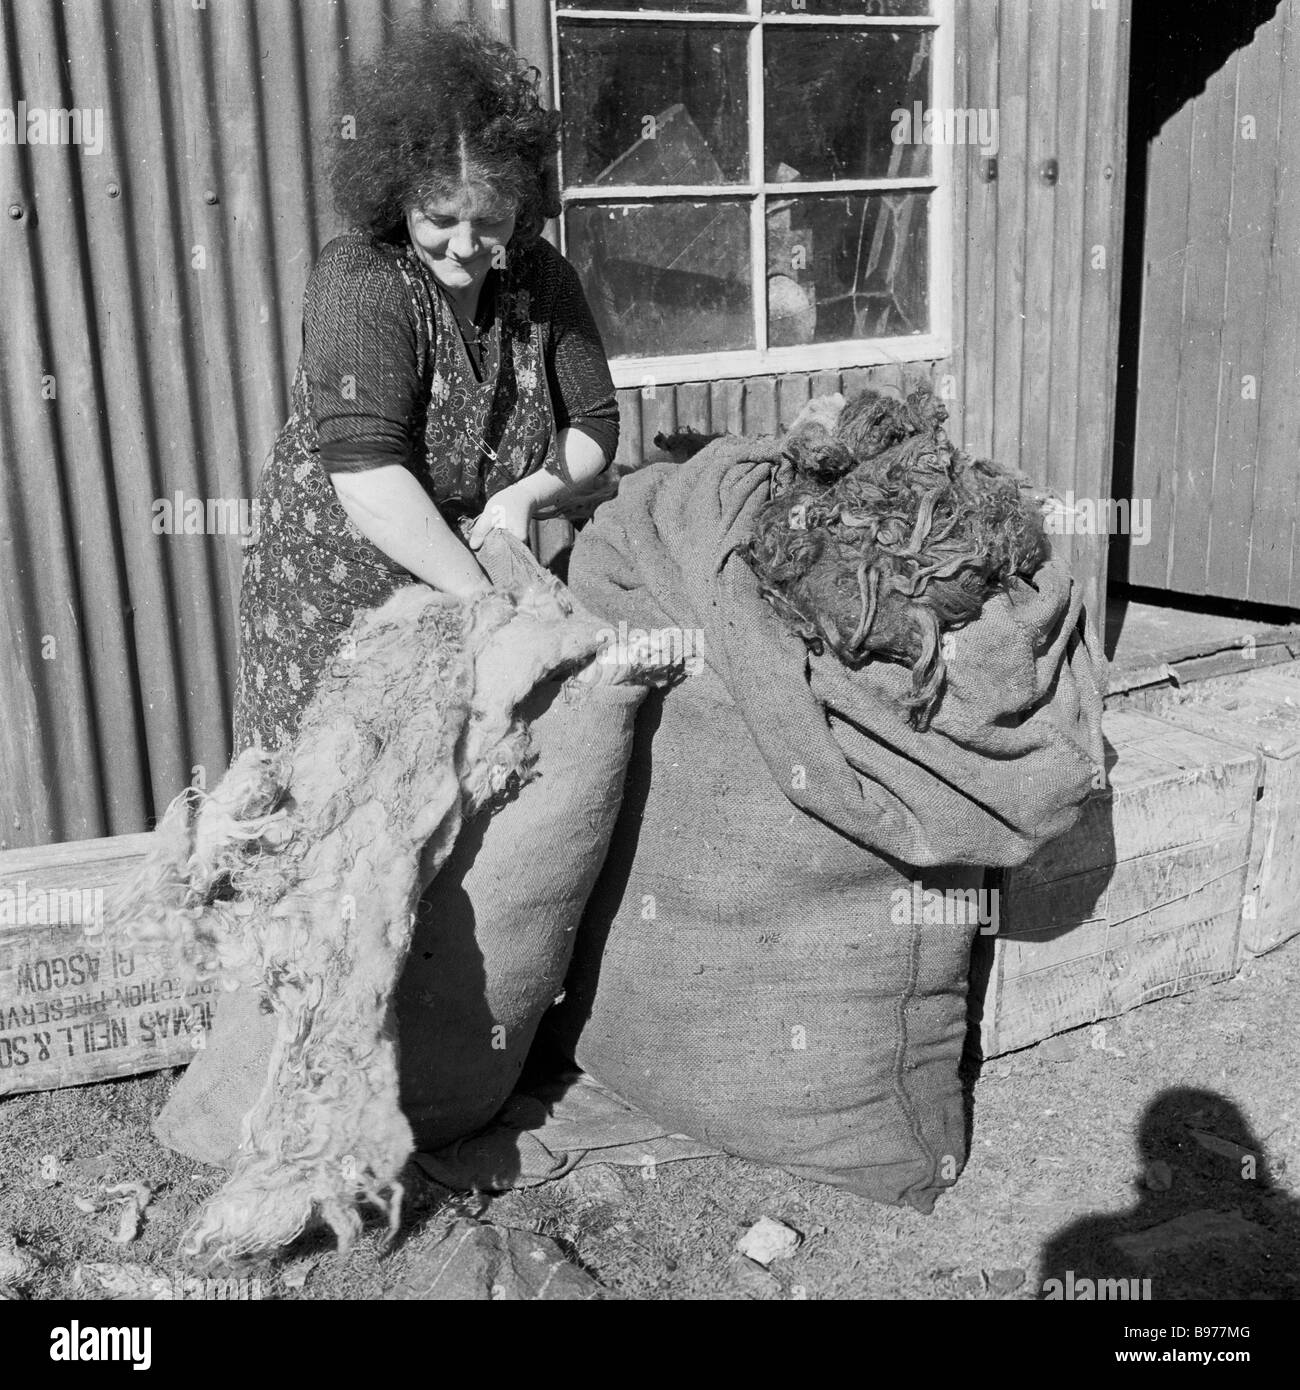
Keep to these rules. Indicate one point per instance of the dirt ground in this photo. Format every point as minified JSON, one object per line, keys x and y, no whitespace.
{"x":1184,"y":1111}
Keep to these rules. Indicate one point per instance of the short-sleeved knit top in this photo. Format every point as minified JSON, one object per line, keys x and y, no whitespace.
{"x":385,"y":378}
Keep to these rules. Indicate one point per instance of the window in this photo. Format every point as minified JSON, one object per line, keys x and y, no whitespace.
{"x":740,"y":193}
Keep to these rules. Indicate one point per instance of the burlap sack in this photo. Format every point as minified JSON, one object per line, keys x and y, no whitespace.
{"x":741,"y":977}
{"x":496,"y":928}
{"x":753,"y":970}
{"x":204,"y":1113}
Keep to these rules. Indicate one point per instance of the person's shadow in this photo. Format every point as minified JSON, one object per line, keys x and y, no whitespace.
{"x":1209,"y":1222}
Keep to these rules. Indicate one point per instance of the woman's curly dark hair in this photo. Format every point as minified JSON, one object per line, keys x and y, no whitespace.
{"x":447,"y":103}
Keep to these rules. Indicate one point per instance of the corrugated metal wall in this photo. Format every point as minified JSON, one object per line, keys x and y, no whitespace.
{"x":154,"y":292}
{"x":151,"y":326}
{"x":1218,"y":415}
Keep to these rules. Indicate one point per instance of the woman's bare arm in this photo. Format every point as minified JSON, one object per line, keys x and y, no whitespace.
{"x":394,"y":512}
{"x":513,"y":507}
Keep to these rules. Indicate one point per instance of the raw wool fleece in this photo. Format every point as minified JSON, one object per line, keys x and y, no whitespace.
{"x":881,"y":536}
{"x":751,"y":970}
{"x":300,"y":871}
{"x":493,"y":935}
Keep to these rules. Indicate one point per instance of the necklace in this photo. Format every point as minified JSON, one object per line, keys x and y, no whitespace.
{"x":474,"y":343}
{"x":471,"y":335}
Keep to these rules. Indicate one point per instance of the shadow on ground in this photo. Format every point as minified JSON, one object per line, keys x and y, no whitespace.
{"x":1209,"y":1222}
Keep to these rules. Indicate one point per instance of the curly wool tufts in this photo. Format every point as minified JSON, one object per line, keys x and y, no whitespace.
{"x":881,"y":536}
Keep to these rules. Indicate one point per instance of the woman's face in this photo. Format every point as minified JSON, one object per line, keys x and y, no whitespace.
{"x":461,"y":236}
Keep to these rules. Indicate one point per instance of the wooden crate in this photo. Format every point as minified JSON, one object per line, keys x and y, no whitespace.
{"x":1142,"y":899}
{"x":1262,"y":711}
{"x":78,"y":1003}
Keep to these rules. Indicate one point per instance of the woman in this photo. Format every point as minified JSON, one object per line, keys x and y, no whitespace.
{"x":451,"y":380}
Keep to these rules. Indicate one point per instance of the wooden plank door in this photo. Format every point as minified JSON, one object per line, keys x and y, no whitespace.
{"x":1216,"y":445}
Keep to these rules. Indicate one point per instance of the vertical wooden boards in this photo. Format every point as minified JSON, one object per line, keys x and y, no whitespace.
{"x":1010,"y":247}
{"x":1274,"y":554}
{"x":658,"y":414}
{"x":1218,"y":416}
{"x":1042,"y":201}
{"x":629,"y":434}
{"x":1164,"y":270}
{"x":1249,"y":232}
{"x":761,"y":406}
{"x":977,"y":350}
{"x":1142,"y":899}
{"x":695,"y":406}
{"x":1071,"y":253}
{"x":1200,"y":381}
{"x":750,"y":406}
{"x":964,"y":167}
{"x":825,"y":384}
{"x":1103,"y":181}
{"x":727,"y":406}
{"x":792,"y":394}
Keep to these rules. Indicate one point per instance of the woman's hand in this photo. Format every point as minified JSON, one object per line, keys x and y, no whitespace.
{"x":511,"y":510}
{"x":391,"y":509}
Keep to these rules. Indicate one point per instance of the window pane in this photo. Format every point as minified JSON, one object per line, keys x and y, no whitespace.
{"x":689,"y":6}
{"x":665,"y":278}
{"x":886,"y":8}
{"x":653,"y":104}
{"x":831,"y":94}
{"x":846,"y":267}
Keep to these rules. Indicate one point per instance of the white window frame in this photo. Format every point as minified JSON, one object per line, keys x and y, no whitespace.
{"x":810,"y":357}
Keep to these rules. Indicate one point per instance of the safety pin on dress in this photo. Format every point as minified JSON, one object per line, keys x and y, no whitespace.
{"x":483,"y":446}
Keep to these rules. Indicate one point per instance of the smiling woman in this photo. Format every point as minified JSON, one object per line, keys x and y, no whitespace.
{"x":457,"y":238}
{"x":451,"y":380}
